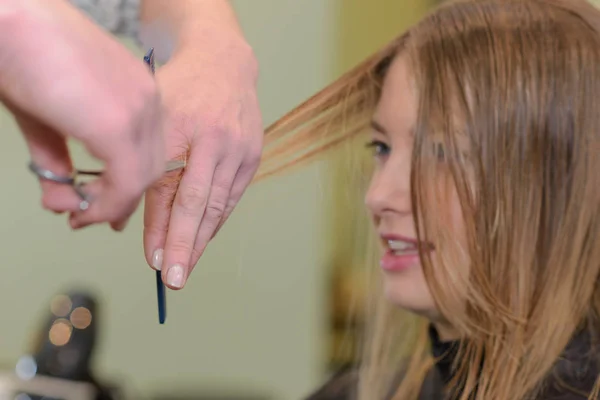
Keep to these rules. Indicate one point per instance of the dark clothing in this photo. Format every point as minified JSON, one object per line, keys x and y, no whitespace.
{"x":577,"y":369}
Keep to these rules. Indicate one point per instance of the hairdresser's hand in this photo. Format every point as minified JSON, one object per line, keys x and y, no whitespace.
{"x":63,"y":77}
{"x":213,"y":115}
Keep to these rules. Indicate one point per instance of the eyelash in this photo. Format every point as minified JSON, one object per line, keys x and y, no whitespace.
{"x":379,"y":148}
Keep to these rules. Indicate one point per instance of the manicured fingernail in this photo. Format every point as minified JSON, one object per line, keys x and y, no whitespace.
{"x":175,"y":276}
{"x":157,"y":259}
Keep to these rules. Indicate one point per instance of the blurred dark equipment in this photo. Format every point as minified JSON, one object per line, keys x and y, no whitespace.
{"x":60,"y":366}
{"x":69,"y":337}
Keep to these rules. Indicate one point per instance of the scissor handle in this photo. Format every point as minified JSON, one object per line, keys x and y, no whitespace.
{"x":88,"y":172}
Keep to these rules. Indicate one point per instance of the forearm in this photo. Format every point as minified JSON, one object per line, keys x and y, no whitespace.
{"x":184,"y":25}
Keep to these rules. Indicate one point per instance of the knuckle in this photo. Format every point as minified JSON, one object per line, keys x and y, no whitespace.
{"x":164,"y":190}
{"x":151,"y":228}
{"x":217,"y":203}
{"x":254,"y":157}
{"x":214,"y":212}
{"x":191,"y":198}
{"x":214,"y":120}
{"x":180,"y":249}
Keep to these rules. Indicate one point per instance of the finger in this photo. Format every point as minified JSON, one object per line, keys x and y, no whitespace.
{"x":120,"y":226}
{"x":243,"y":178}
{"x":157,"y":214}
{"x":133,"y":152}
{"x":158,"y":147}
{"x":231,"y":203}
{"x":118,"y":192}
{"x":189,"y":206}
{"x":99,"y":193}
{"x":219,"y":204}
{"x":49,"y":151}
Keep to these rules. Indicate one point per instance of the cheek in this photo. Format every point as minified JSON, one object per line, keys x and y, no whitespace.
{"x":372,"y":195}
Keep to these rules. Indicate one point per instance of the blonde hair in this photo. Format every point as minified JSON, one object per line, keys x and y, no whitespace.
{"x":519,"y":82}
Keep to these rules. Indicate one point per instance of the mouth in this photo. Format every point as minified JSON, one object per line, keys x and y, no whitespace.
{"x":402,"y":253}
{"x":399,"y":245}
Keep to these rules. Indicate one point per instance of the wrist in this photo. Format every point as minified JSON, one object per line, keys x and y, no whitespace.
{"x":221,"y":48}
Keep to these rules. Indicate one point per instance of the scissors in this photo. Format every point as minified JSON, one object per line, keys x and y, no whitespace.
{"x":74,"y":180}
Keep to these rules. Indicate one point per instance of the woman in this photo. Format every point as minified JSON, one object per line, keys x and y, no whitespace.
{"x":485,"y":198}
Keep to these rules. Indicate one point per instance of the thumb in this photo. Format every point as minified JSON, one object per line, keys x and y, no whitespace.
{"x":49,"y":151}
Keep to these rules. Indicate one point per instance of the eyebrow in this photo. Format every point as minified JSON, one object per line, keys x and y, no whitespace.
{"x":378,"y":127}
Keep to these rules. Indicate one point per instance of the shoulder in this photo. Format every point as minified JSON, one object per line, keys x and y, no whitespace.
{"x":574,"y":375}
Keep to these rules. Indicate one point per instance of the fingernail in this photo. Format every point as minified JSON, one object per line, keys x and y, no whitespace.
{"x":175,"y":276}
{"x":157,"y":259}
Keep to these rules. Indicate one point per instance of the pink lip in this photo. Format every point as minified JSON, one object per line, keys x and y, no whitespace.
{"x":393,"y":262}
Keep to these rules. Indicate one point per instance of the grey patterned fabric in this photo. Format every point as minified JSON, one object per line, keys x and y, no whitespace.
{"x":120,"y":17}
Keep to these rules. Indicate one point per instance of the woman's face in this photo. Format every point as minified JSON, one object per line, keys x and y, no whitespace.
{"x":389,"y":199}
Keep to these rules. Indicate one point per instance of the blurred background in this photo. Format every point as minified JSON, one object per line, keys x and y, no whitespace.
{"x":260,"y":316}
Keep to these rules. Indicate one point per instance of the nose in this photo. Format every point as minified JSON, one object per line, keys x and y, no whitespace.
{"x":389,"y":190}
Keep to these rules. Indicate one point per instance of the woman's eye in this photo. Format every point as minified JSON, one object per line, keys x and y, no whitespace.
{"x":380,"y":149}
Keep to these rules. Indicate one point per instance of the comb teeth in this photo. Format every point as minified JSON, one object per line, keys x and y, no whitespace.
{"x":149,"y":59}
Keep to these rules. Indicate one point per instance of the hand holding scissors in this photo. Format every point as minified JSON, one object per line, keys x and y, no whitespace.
{"x":100,"y":95}
{"x":74,"y":181}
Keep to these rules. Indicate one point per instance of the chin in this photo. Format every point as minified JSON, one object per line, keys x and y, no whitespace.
{"x":408,"y":290}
